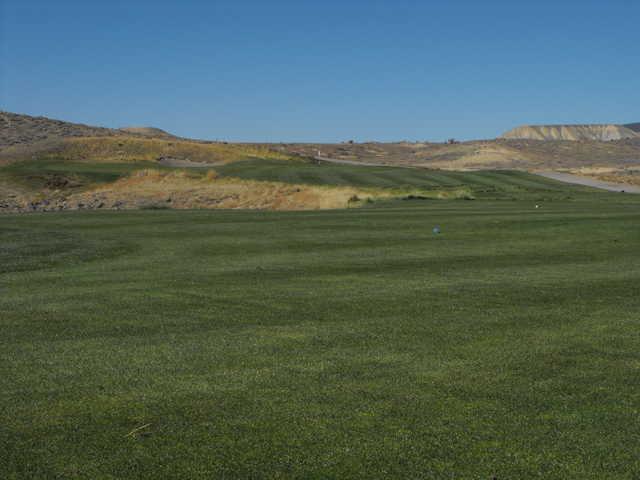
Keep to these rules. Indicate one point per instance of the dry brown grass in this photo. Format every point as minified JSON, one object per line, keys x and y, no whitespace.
{"x":12,"y":196}
{"x":126,"y":149}
{"x":626,"y":179}
{"x":135,"y":148}
{"x":190,"y":190}
{"x":482,"y":154}
{"x":457,"y":156}
{"x":629,"y":175}
{"x":472,"y":157}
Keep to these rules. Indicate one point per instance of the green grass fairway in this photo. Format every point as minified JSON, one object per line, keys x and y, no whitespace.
{"x":498,"y":184}
{"x":34,"y":174}
{"x":488,"y":184}
{"x":334,"y":344}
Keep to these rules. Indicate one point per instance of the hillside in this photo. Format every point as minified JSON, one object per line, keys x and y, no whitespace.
{"x":25,"y":137}
{"x":633,"y":126}
{"x":52,"y":165}
{"x":603,"y":133}
{"x":518,"y":154}
{"x":148,"y":132}
{"x":17,"y":129}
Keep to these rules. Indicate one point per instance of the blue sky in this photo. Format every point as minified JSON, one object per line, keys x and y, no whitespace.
{"x":322,"y":70}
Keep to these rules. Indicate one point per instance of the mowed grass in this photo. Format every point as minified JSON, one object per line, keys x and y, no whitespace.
{"x":496,"y":184}
{"x":332,"y":344}
{"x":36,"y":174}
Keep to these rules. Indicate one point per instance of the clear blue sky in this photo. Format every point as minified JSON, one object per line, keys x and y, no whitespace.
{"x":322,"y":70}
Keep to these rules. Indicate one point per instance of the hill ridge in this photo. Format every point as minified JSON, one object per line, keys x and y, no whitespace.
{"x":577,"y":132}
{"x":16,"y":129}
{"x":20,"y":129}
{"x":147,"y":131}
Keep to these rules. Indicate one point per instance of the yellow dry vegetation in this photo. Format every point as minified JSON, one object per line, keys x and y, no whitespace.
{"x":474,"y":157}
{"x":629,"y":175}
{"x":190,"y":190}
{"x":11,"y":194}
{"x":619,"y":177}
{"x":128,"y":149}
{"x":148,"y":131}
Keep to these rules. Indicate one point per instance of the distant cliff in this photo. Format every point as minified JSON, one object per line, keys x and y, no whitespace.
{"x":603,"y":133}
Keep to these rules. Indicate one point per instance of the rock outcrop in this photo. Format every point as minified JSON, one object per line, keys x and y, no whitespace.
{"x":603,"y":133}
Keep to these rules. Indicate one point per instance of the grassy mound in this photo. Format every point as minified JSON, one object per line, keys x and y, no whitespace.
{"x":496,"y":184}
{"x":94,"y":172}
{"x":195,"y":189}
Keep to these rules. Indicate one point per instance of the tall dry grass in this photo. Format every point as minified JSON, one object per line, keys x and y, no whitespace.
{"x":184,"y":189}
{"x":134,"y":148}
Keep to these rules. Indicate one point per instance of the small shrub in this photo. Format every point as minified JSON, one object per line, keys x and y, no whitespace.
{"x":416,"y":197}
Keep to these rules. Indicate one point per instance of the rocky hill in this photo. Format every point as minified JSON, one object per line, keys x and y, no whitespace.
{"x":16,"y":129}
{"x":23,"y":137}
{"x":603,"y":133}
{"x":148,"y":132}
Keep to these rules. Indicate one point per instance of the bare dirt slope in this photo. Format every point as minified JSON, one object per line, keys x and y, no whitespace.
{"x":467,"y":155}
{"x":480,"y":155}
{"x":603,"y":133}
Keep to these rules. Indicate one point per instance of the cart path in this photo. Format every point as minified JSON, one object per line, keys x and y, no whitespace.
{"x":589,"y":182}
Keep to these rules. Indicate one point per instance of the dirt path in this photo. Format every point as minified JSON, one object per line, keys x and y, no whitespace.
{"x":590,"y":182}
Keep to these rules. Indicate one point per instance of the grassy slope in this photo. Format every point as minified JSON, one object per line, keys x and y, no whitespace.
{"x":342,"y":344}
{"x":36,"y":174}
{"x":500,"y":184}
